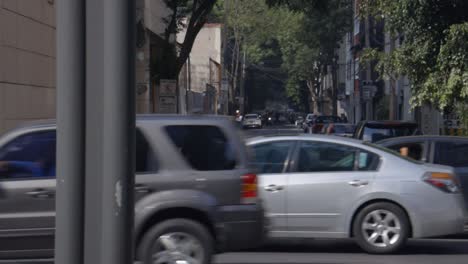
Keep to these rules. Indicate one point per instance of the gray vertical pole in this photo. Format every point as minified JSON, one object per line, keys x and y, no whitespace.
{"x":70,"y":132}
{"x":110,"y":128}
{"x":119,"y":128}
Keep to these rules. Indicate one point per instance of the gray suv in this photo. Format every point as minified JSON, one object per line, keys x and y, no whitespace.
{"x":195,"y":194}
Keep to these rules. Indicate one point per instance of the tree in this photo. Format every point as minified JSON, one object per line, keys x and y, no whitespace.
{"x":190,"y":15}
{"x":321,"y":27}
{"x":434,"y":50}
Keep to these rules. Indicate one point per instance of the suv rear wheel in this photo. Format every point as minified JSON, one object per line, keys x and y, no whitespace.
{"x":381,"y":228}
{"x":176,"y":241}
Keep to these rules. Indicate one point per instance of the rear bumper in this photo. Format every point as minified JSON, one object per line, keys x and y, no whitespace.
{"x":240,"y":227}
{"x":444,"y":217}
{"x":251,"y":125}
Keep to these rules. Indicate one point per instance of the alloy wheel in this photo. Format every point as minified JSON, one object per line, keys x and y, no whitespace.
{"x":381,"y":228}
{"x":177,"y":248}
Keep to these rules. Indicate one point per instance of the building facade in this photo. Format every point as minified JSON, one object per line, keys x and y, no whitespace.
{"x":27,"y":61}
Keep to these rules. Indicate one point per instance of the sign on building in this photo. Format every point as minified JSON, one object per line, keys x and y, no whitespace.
{"x":168,"y":88}
{"x":167,"y":103}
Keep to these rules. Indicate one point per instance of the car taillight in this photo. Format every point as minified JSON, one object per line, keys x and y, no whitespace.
{"x":249,"y":189}
{"x":445,"y":182}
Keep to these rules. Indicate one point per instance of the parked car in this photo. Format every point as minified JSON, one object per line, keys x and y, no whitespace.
{"x":373,"y":131}
{"x":310,"y":118}
{"x":444,"y":150}
{"x":252,"y":121}
{"x":334,"y":187}
{"x":339,"y":129}
{"x":299,"y":121}
{"x":195,"y":194}
{"x":320,"y":121}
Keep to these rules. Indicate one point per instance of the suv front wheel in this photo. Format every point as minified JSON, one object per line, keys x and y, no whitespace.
{"x":176,"y":241}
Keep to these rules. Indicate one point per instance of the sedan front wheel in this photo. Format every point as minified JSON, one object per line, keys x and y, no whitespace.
{"x":381,"y":228}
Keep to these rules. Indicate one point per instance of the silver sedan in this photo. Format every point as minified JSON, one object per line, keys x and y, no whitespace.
{"x":331,"y":187}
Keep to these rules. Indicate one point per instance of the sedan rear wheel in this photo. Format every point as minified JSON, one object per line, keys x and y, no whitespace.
{"x":381,"y":228}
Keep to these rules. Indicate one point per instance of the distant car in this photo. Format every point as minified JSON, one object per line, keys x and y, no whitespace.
{"x":299,"y":121}
{"x":324,"y":129}
{"x":373,"y":131}
{"x":195,"y":193}
{"x":316,"y":186}
{"x":340,"y":129}
{"x":444,"y":150}
{"x":252,"y":121}
{"x":317,"y":125}
{"x":309,"y":120}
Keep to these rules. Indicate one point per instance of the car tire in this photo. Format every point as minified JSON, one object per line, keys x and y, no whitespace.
{"x":173,"y":234}
{"x":381,"y":228}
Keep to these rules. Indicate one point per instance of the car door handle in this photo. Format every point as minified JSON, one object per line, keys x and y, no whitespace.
{"x":141,"y":188}
{"x":42,"y":194}
{"x":358,"y":183}
{"x":273,"y":188}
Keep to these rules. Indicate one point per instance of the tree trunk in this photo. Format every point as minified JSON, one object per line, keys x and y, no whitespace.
{"x":368,"y":67}
{"x":335,"y":89}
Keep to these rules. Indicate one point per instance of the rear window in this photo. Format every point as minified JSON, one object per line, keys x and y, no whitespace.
{"x":251,"y":116}
{"x":376,"y":133}
{"x":344,"y":129}
{"x":205,"y":148}
{"x":328,"y":119}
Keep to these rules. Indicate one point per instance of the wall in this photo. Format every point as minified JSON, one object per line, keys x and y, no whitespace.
{"x":207,"y":45}
{"x":27,"y":65}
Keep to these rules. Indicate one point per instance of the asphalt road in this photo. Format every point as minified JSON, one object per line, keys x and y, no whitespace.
{"x":444,"y":251}
{"x":432,"y":251}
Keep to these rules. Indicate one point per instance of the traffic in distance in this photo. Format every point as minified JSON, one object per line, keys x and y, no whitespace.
{"x":201,"y":188}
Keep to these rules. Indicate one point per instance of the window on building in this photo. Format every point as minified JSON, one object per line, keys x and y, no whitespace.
{"x":205,"y":148}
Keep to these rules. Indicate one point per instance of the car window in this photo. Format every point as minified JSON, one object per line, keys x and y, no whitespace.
{"x":451,"y":154}
{"x":325,"y":157}
{"x":29,"y":156}
{"x":374,"y":134}
{"x":251,"y":116}
{"x":205,"y":148}
{"x":368,"y":161}
{"x":343,"y":129}
{"x":392,"y":152}
{"x":271,"y":157}
{"x":34,"y":156}
{"x":414,"y":150}
{"x":145,"y":160}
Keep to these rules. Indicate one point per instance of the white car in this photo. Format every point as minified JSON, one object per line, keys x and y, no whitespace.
{"x":316,"y":186}
{"x":252,"y":121}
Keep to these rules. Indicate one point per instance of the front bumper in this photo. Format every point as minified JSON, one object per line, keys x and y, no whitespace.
{"x":240,"y":227}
